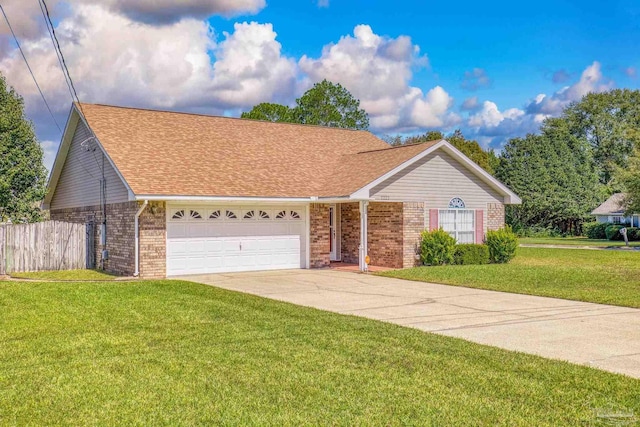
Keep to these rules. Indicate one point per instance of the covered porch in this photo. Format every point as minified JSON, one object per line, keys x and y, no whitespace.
{"x":346,"y":235}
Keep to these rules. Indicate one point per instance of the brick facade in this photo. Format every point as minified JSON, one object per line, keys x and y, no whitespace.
{"x":153,"y":238}
{"x":350,"y":232}
{"x":120,"y":233}
{"x":121,"y":236}
{"x":385,"y":234}
{"x":495,"y":216}
{"x":319,"y":244}
{"x":413,"y":224}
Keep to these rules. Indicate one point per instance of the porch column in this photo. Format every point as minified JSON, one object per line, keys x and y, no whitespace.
{"x":363,"y":235}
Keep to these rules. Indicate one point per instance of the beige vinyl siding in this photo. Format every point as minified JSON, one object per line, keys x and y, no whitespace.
{"x":79,"y":183}
{"x":435,"y":180}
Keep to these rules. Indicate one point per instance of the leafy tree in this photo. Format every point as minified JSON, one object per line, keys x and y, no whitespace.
{"x":325,"y":104}
{"x":556,"y":177}
{"x":609,"y":122}
{"x":270,"y":112}
{"x":22,"y":173}
{"x":330,"y":104}
{"x":630,"y":178}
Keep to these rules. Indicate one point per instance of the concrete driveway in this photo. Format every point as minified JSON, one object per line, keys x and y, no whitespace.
{"x":602,"y":336}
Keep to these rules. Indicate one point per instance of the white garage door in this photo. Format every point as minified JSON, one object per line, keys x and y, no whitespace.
{"x":221,"y":239}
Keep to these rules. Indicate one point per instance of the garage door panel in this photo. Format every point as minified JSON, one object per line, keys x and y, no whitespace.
{"x":206,"y":245}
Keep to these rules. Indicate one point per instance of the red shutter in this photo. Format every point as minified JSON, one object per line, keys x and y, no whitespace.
{"x":479,"y":226}
{"x":433,"y":219}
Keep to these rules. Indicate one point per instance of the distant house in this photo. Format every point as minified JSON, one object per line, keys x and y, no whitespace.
{"x":178,"y":193}
{"x":612,"y":211}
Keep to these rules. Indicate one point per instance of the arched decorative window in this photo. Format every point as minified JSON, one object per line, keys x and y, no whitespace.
{"x":231,"y":215}
{"x":295,"y":215}
{"x":281,"y":215}
{"x":249,"y":215}
{"x":215,"y":215}
{"x":195,"y":215}
{"x":264,"y":215}
{"x":178,"y":214}
{"x":456,"y":203}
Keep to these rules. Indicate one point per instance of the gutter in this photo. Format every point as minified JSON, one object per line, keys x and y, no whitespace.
{"x":137,"y":227}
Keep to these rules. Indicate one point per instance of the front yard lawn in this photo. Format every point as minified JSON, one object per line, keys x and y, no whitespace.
{"x":574,"y":241}
{"x":607,"y":277}
{"x":65,"y":275}
{"x":178,"y":353}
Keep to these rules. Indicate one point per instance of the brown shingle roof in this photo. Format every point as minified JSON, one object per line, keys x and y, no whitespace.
{"x":613,"y":205}
{"x":169,"y":153}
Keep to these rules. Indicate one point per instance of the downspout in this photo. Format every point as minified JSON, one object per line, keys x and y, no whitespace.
{"x":137,"y":227}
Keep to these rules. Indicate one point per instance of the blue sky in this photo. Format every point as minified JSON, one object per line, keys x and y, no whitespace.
{"x":413,"y":64}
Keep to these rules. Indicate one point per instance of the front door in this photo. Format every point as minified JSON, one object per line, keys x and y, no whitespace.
{"x":333,"y":234}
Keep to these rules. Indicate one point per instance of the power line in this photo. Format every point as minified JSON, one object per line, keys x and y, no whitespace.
{"x":65,"y":69}
{"x":6,"y":18}
{"x":46,"y":23}
{"x":64,"y":64}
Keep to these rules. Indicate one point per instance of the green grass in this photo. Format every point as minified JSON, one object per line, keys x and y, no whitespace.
{"x":64,"y":275}
{"x":178,"y":353}
{"x":573,"y":241}
{"x":607,"y":277}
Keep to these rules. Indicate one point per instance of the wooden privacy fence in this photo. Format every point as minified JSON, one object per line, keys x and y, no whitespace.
{"x":41,"y":246}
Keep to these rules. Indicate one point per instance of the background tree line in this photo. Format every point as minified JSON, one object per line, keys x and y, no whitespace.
{"x":576,"y":161}
{"x":562,"y":173}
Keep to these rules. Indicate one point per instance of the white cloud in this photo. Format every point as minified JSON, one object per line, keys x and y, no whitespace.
{"x":591,"y":80}
{"x":27,"y":20}
{"x":470,"y":104}
{"x":131,"y":67}
{"x":146,"y":65}
{"x":475,"y":79}
{"x":491,"y":124}
{"x":250,"y":69}
{"x":377,"y":70}
{"x":323,"y":3}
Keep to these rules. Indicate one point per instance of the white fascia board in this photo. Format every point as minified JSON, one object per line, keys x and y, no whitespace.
{"x":345,"y":199}
{"x":509,"y":196}
{"x":61,"y":156}
{"x":205,"y":199}
{"x":104,"y":152}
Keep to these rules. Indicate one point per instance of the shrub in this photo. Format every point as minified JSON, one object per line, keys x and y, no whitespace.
{"x":633,"y":234}
{"x":612,"y":232}
{"x":437,"y":247}
{"x":595,"y":230}
{"x":468,"y":254}
{"x":502,"y":245}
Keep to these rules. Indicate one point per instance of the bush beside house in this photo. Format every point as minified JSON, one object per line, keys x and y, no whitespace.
{"x":439,"y":248}
{"x":469,"y":254}
{"x":502,"y":245}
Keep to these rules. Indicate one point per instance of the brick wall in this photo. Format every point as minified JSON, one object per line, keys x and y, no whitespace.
{"x":319,"y":246}
{"x":412,"y":226}
{"x":120,"y":233}
{"x":350,"y":232}
{"x":153,"y":237}
{"x":495,"y":216}
{"x":385,"y":234}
